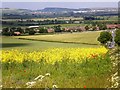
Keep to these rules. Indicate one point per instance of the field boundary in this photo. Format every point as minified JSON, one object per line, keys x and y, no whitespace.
{"x":57,"y":41}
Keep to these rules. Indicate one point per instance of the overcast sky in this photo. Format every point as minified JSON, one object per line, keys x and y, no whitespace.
{"x":41,"y":5}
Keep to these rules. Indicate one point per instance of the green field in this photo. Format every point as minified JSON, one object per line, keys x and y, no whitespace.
{"x":51,"y":25}
{"x":41,"y":42}
{"x":81,"y":38}
{"x":90,"y":73}
{"x":65,"y":25}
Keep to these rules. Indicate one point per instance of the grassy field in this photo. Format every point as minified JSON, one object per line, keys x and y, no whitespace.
{"x":81,"y":38}
{"x":84,"y":39}
{"x":70,"y":63}
{"x":41,"y":19}
{"x":65,"y":25}
{"x":12,"y":43}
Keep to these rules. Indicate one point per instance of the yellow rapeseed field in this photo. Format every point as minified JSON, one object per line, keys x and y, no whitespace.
{"x":53,"y":55}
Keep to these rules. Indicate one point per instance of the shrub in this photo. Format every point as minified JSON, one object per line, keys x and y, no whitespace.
{"x":6,"y":33}
{"x":117,"y":37}
{"x":104,"y":37}
{"x":42,"y":30}
{"x":87,"y":27}
{"x":31,"y":32}
{"x":57,"y":28}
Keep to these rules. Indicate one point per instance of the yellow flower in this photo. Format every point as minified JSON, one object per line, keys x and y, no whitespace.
{"x":53,"y":55}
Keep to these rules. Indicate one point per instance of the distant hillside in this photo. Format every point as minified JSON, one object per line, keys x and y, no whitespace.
{"x":53,"y":12}
{"x":52,"y":9}
{"x":58,"y":10}
{"x":14,"y":11}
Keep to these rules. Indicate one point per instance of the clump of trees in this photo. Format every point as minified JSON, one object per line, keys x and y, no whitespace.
{"x":87,"y":27}
{"x":31,"y":32}
{"x":43,"y":30}
{"x":57,"y":28}
{"x":10,"y":31}
{"x":104,"y":37}
{"x":117,"y":37}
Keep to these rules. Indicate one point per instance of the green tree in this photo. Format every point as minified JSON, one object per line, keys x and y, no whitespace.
{"x":31,"y":32}
{"x":42,"y":30}
{"x":57,"y":28}
{"x":19,"y":29}
{"x":27,"y":30}
{"x":104,"y":37}
{"x":117,"y":37}
{"x":6,"y":31}
{"x":94,"y":28}
{"x":87,"y":27}
{"x":102,"y":26}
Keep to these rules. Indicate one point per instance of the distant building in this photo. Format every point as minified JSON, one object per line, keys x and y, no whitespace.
{"x":76,"y":22}
{"x":17,"y":33}
{"x":113,"y":26}
{"x":33,"y":27}
{"x":75,"y":29}
{"x":97,"y":28}
{"x":50,"y":30}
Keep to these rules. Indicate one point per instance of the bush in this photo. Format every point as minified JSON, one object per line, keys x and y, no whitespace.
{"x":6,"y":33}
{"x":31,"y":32}
{"x":42,"y":30}
{"x":87,"y":27}
{"x":117,"y":37}
{"x":57,"y":28}
{"x":104,"y":37}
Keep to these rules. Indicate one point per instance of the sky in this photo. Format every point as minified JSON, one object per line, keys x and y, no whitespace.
{"x":60,"y":0}
{"x":41,"y":5}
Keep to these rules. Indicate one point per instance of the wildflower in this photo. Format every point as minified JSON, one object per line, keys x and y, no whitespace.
{"x":38,"y":77}
{"x":52,"y":55}
{"x":0,"y":86}
{"x":84,"y":86}
{"x":31,"y":83}
{"x":47,"y":74}
{"x":40,"y":80}
{"x":42,"y":77}
{"x":55,"y":86}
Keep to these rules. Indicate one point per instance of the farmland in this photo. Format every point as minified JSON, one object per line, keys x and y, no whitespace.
{"x":38,"y":42}
{"x":82,"y":37}
{"x":63,"y":65}
{"x":65,"y":25}
{"x":59,"y":47}
{"x":77,"y":70}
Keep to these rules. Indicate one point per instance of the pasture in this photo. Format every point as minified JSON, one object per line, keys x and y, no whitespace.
{"x":80,"y":38}
{"x":42,"y":42}
{"x":50,"y":25}
{"x":65,"y":25}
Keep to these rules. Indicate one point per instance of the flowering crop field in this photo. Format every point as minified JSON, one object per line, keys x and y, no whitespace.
{"x":53,"y":55}
{"x":65,"y":68}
